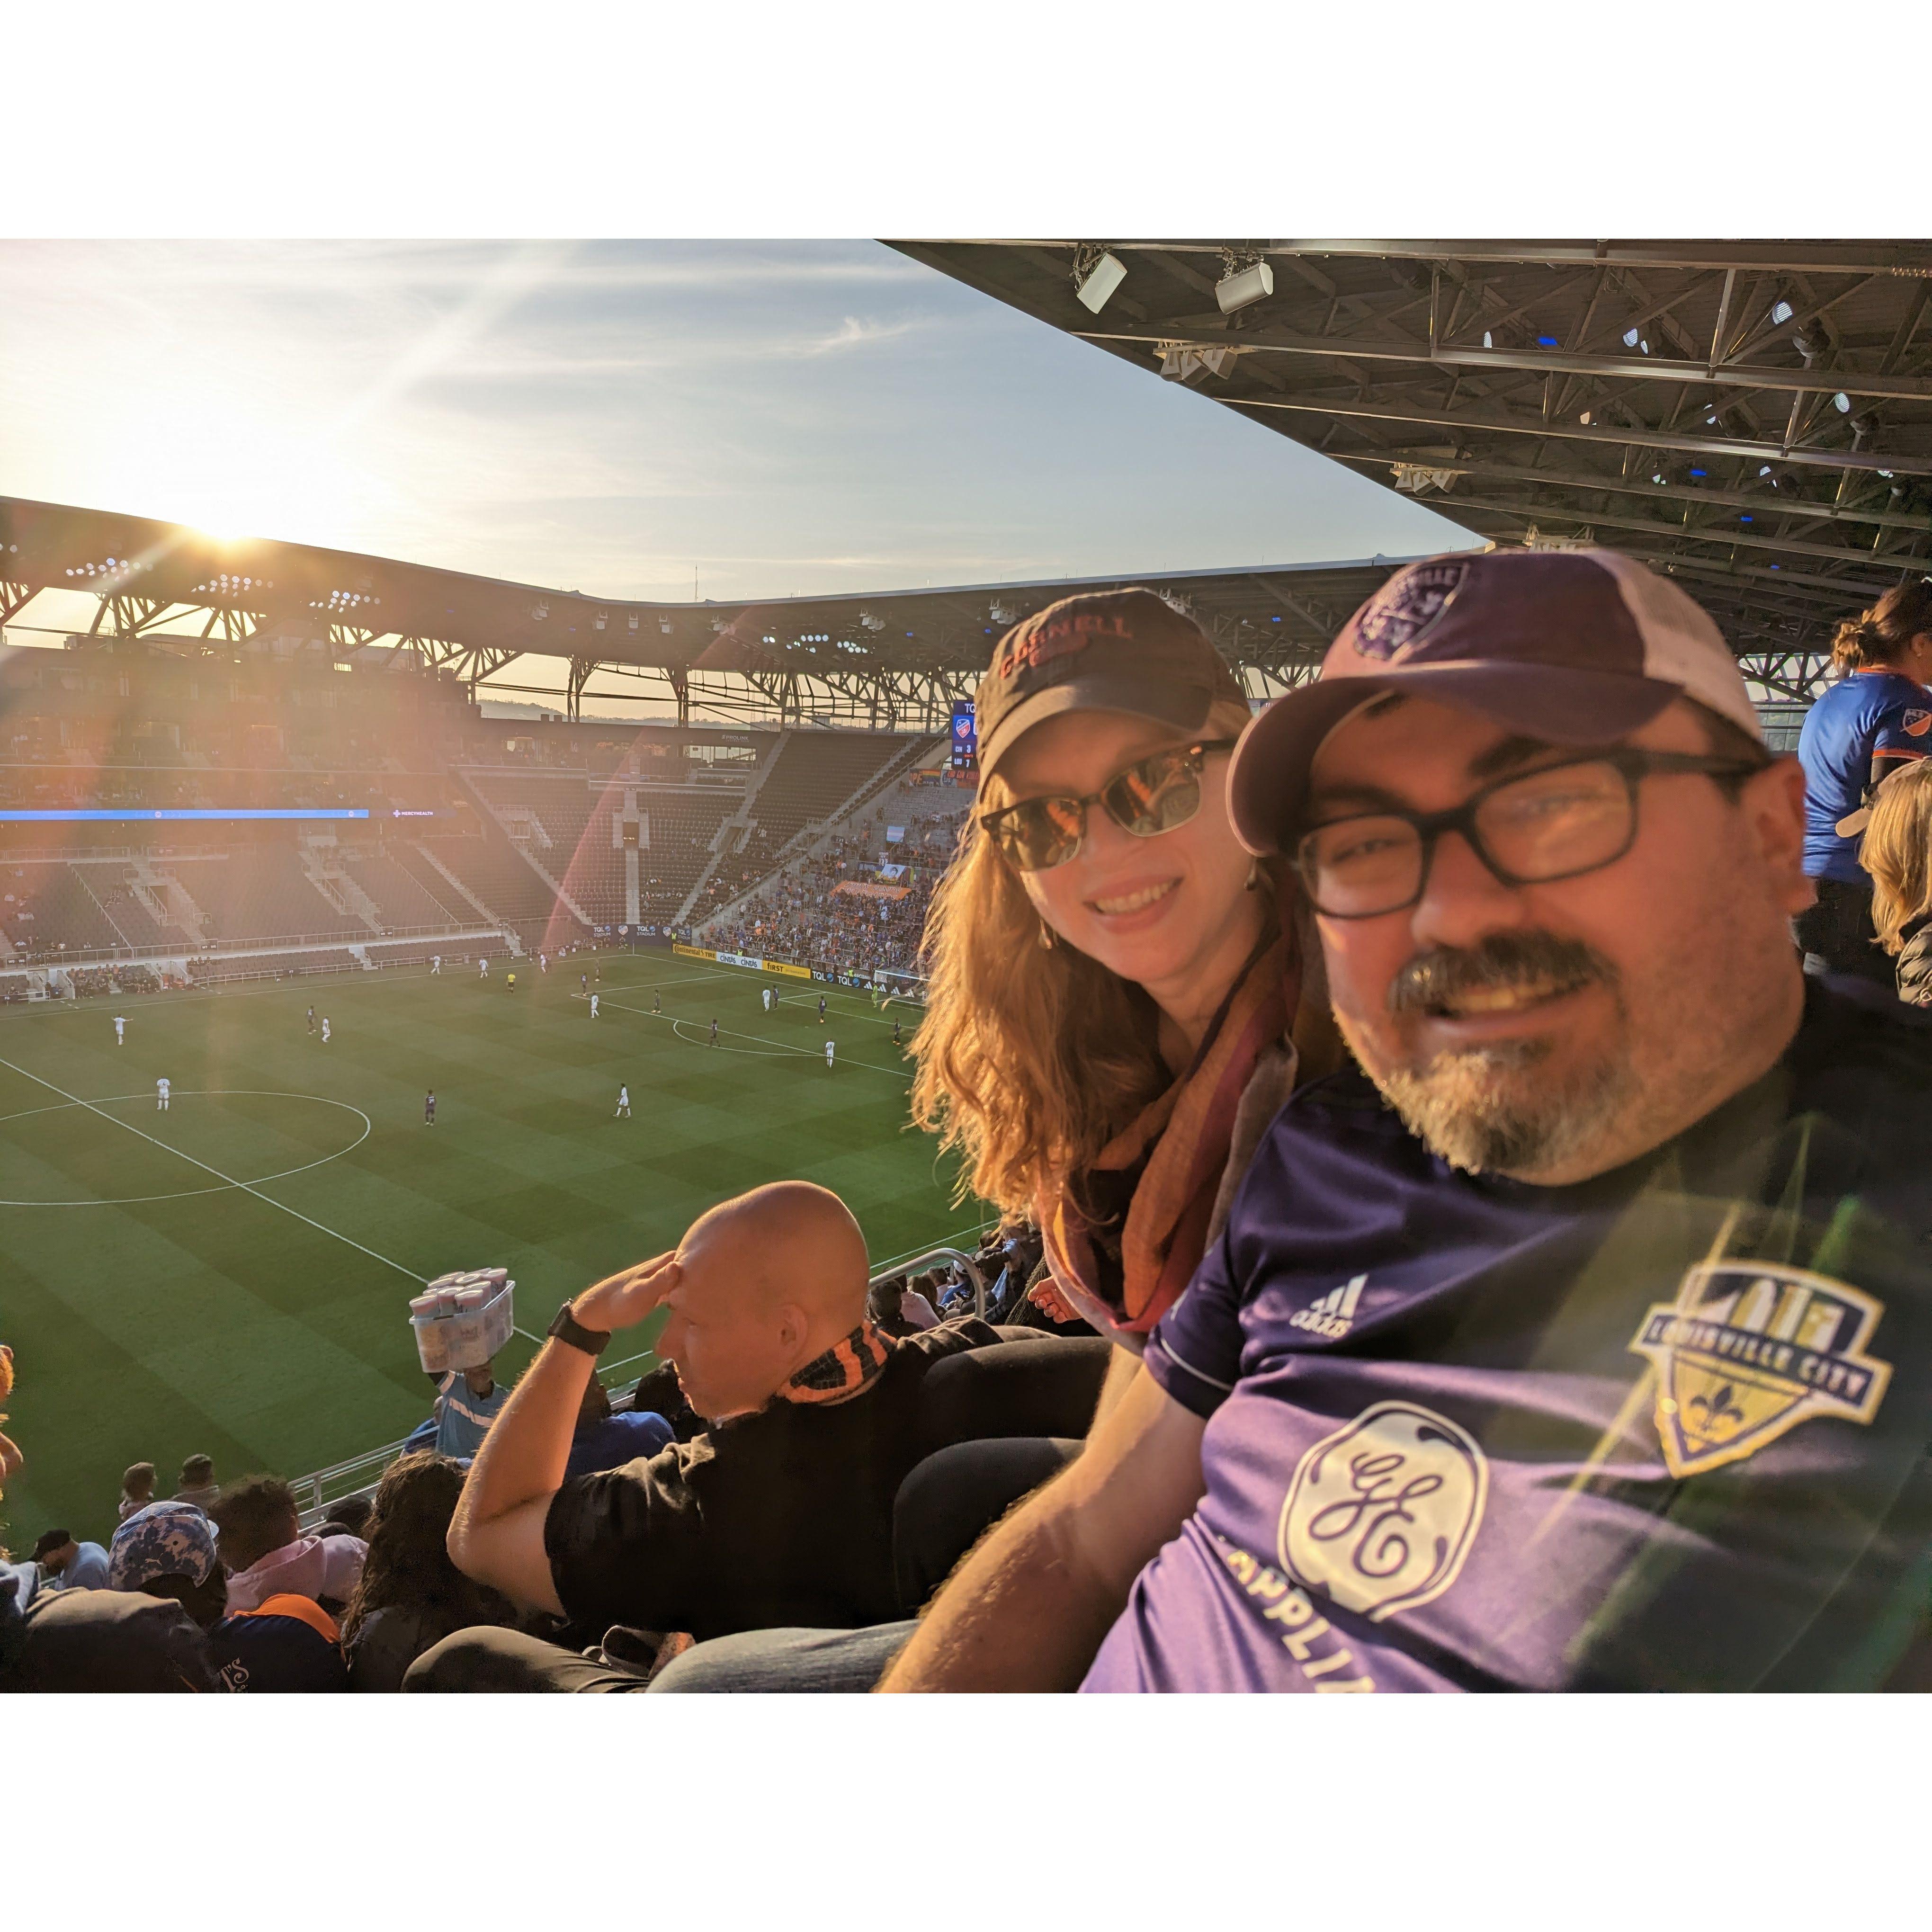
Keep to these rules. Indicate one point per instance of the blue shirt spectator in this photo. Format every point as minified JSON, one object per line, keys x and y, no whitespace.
{"x":464,"y":1412}
{"x":69,"y":1565}
{"x":616,"y":1440}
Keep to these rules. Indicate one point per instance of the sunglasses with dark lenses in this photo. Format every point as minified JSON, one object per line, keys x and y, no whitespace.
{"x":1151,"y":795}
{"x":1554,"y":823}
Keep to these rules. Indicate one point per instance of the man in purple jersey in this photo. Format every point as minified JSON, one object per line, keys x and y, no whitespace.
{"x":1582,"y":1338}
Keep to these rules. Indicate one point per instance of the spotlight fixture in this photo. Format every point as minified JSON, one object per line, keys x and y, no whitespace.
{"x":1780,"y":313}
{"x":1842,"y":403}
{"x":1095,"y":282}
{"x":1242,"y":286}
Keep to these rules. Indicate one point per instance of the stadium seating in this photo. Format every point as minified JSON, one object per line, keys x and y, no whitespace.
{"x":54,"y":909}
{"x":261,"y":892}
{"x":817,"y":772}
{"x":499,"y":875}
{"x":403,"y":900}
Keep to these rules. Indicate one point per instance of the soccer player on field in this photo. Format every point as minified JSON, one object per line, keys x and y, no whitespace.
{"x":828,"y":1056}
{"x":543,"y":962}
{"x":821,"y":1009}
{"x":896,"y":1040}
{"x":163,"y":1088}
{"x":482,"y":969}
{"x":120,"y":1030}
{"x":714,"y":1032}
{"x":429,"y":1108}
{"x":325,"y":1029}
{"x":593,"y":1005}
{"x":657,"y":1002}
{"x":435,"y":965}
{"x":311,"y":1019}
{"x":511,"y":982}
{"x":623,"y":1112}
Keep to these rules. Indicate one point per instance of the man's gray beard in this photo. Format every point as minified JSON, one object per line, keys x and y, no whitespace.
{"x":1486,"y":1109}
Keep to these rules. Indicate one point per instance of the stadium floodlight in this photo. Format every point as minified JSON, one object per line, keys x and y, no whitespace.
{"x":1097,"y":284}
{"x":1488,"y":341}
{"x":1630,"y":338}
{"x":1842,"y":403}
{"x":1239,"y":287}
{"x":1781,"y":312}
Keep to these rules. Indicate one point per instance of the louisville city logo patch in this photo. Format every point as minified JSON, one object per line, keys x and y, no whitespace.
{"x":1382,"y":1513}
{"x":1403,"y":612}
{"x":1748,"y":1351}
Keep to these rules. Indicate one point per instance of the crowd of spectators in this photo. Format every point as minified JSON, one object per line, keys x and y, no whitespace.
{"x":234,"y":1594}
{"x":801,"y":916}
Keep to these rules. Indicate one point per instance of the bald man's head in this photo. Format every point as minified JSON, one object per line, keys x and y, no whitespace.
{"x":767,"y":1281}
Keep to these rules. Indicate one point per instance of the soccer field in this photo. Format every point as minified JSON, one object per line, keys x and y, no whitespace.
{"x":232,"y":1276}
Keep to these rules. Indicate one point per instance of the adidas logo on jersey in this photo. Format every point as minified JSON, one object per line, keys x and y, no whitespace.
{"x":1334,"y":1315}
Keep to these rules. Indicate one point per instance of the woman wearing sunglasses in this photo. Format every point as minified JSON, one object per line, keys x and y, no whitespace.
{"x":1120,"y":996}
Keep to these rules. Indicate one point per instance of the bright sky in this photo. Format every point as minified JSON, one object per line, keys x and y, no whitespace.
{"x":778,"y":417}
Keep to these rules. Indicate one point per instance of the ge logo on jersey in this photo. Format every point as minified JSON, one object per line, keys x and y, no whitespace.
{"x":1382,"y":1513}
{"x":1333,"y":1316}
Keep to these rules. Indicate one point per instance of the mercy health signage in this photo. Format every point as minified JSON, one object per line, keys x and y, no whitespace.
{"x":177,"y":813}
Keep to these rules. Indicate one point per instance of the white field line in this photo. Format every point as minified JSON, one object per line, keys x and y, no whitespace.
{"x":246,"y":1187}
{"x":784,"y":1046}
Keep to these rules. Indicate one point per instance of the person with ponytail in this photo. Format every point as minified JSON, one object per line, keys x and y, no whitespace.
{"x":1120,"y":997}
{"x":1876,"y":718}
{"x":1897,"y":851}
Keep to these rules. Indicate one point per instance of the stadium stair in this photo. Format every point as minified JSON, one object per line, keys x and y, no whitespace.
{"x":326,"y":873}
{"x":731,"y":832}
{"x":814,"y":831}
{"x":563,"y":898}
{"x":468,"y":898}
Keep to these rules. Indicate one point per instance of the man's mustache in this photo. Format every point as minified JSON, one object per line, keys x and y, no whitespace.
{"x":1434,"y":980}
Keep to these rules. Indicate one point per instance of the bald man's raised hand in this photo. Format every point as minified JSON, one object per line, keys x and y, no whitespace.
{"x":622,"y":1300}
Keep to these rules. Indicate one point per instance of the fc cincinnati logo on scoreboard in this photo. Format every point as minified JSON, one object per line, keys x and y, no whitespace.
{"x":1748,"y":1351}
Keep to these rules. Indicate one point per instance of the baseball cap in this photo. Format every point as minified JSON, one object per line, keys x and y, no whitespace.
{"x":166,"y":1539}
{"x":1104,"y":650}
{"x":1576,"y":647}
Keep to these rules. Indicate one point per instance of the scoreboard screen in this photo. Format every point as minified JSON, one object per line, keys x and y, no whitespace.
{"x":965,"y":738}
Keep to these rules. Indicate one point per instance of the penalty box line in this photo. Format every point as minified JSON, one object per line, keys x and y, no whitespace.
{"x":245,"y":1186}
{"x":784,"y":1045}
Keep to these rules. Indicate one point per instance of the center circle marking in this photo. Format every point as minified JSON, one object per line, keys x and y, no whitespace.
{"x":206,"y":1093}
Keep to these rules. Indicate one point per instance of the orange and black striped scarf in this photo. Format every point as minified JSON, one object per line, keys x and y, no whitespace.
{"x":1179,"y":1144}
{"x":843,"y":1369}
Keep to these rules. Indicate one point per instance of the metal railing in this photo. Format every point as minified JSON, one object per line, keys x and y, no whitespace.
{"x":359,"y":1475}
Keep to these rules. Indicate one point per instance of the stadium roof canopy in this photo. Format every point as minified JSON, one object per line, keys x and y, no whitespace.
{"x":1754,"y":418}
{"x":881,"y":658}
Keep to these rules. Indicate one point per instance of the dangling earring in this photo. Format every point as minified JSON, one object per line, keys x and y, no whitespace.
{"x":1047,"y":941}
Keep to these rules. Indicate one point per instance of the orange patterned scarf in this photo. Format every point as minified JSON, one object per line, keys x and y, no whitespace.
{"x":1180,"y":1142}
{"x":842,"y":1369}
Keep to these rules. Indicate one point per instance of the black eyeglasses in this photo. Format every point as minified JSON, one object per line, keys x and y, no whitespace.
{"x":1151,"y":795}
{"x":1554,"y":823}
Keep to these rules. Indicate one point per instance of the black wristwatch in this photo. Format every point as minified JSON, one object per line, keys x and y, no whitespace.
{"x":572,"y":1333}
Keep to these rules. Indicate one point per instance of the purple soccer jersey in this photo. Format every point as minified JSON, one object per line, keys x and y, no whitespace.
{"x":1664,"y":1429}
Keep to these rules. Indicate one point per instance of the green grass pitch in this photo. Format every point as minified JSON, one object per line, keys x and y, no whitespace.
{"x":158,"y":1307}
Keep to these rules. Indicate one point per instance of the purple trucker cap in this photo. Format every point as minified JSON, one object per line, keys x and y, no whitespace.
{"x":1578,"y":647}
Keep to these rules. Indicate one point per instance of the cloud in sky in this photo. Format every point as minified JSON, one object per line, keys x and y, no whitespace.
{"x":781,"y":417}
